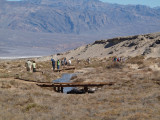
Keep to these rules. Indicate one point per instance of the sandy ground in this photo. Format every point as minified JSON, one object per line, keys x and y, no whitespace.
{"x":147,"y":45}
{"x":134,"y":96}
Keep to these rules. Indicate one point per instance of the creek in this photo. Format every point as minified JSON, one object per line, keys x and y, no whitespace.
{"x":65,"y":78}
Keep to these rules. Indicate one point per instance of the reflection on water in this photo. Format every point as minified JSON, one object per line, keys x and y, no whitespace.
{"x":65,"y":78}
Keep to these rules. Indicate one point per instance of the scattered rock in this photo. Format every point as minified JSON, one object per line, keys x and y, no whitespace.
{"x":110,"y":52}
{"x":157,"y":42}
{"x":59,"y":54}
{"x":147,"y":51}
{"x":100,"y":42}
{"x":132,"y":44}
{"x":153,"y":45}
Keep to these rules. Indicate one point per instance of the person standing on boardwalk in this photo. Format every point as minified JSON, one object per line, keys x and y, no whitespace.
{"x":53,"y":63}
{"x":34,"y":66}
{"x":29,"y":65}
{"x":69,"y":61}
{"x":58,"y":64}
{"x":65,"y":61}
{"x":115,"y":59}
{"x":62,"y":62}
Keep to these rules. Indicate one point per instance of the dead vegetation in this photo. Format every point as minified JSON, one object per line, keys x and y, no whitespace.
{"x":135,"y":96}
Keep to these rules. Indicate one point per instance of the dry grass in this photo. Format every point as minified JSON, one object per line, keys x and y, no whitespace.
{"x":136,"y":60}
{"x":135,"y":96}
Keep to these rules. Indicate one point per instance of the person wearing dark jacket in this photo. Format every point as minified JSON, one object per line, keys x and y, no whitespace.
{"x":53,"y":63}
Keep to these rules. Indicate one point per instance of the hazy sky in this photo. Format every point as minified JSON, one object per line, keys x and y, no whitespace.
{"x":151,"y":3}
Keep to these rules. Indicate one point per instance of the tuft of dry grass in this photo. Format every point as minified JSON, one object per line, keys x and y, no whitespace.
{"x":117,"y":65}
{"x":135,"y":94}
{"x":136,"y":60}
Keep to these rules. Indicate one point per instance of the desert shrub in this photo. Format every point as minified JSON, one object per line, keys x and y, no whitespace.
{"x":17,"y":76}
{"x":81,"y":64}
{"x":49,"y":76}
{"x":19,"y":65}
{"x":149,"y":69}
{"x":142,"y":66}
{"x":44,"y":65}
{"x":115,"y":65}
{"x":79,"y":80}
{"x":6,"y":75}
{"x":136,"y":60}
{"x":158,"y":98}
{"x":12,"y":82}
{"x":36,"y":107}
{"x":73,"y":77}
{"x":97,"y":63}
{"x":4,"y":66}
{"x":36,"y":77}
{"x":139,"y":62}
{"x":39,"y":93}
{"x":156,"y":75}
{"x":5,"y":85}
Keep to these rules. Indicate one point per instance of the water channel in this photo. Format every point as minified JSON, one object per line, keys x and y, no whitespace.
{"x":65,"y":78}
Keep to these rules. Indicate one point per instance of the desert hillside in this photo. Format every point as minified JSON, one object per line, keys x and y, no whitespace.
{"x":147,"y":45}
{"x":135,"y":94}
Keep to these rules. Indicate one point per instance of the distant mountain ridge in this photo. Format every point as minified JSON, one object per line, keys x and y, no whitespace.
{"x":76,"y":16}
{"x":44,"y":27}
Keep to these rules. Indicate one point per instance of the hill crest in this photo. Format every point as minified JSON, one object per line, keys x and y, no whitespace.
{"x":147,"y":45}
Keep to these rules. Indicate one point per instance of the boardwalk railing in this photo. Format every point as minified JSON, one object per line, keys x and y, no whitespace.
{"x":59,"y":86}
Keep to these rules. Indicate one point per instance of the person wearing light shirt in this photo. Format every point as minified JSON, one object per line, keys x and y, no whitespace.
{"x":34,"y":66}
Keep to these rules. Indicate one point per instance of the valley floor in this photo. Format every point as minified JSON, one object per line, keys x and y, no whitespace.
{"x":134,"y":96}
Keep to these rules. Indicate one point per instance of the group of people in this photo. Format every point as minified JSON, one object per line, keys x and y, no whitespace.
{"x":63,"y":62}
{"x":31,"y":66}
{"x":119,"y":59}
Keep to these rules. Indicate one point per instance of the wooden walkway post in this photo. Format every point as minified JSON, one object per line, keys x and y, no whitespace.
{"x":86,"y":88}
{"x":61,"y":89}
{"x":55,"y":89}
{"x":58,"y":89}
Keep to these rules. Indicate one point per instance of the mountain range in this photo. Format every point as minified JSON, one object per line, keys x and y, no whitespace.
{"x":91,"y":18}
{"x":75,"y":16}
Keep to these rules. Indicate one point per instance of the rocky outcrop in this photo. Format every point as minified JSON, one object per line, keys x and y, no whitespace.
{"x":147,"y":45}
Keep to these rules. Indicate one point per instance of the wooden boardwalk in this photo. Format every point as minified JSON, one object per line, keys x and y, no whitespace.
{"x":65,"y":68}
{"x":59,"y":86}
